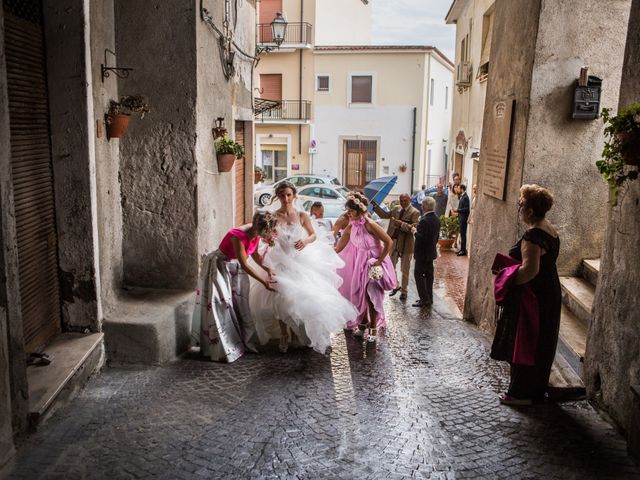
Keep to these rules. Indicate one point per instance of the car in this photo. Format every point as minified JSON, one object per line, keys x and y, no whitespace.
{"x":334,"y":208}
{"x":323,"y":192}
{"x":264,"y":192}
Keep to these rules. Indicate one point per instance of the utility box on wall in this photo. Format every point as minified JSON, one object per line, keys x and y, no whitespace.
{"x":586,"y":99}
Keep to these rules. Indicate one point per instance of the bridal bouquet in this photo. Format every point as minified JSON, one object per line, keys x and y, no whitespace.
{"x":375,"y":272}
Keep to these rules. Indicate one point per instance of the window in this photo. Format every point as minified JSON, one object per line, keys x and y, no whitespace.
{"x":487,"y":33}
{"x":323,"y":83}
{"x":271,"y":86}
{"x":432,"y":91}
{"x":328,"y":193}
{"x":361,"y":89}
{"x":274,"y":162}
{"x":311,"y":192}
{"x":335,"y":181}
{"x":446,"y":97}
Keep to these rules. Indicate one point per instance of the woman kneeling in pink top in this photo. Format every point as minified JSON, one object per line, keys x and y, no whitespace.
{"x":222,"y":321}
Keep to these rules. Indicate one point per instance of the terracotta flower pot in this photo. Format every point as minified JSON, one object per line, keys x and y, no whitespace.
{"x":630,"y":147}
{"x":446,"y":243}
{"x":225,"y":161}
{"x":117,"y":125}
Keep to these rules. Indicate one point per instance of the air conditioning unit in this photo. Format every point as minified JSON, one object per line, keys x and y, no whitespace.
{"x":463,"y":74}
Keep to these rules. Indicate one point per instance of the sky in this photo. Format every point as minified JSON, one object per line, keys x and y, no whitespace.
{"x":413,"y":22}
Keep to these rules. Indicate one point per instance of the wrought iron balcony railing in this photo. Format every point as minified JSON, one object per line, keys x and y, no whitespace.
{"x":293,"y":110}
{"x":296,"y":34}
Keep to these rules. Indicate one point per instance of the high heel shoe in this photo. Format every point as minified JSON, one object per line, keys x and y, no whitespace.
{"x":372,"y":337}
{"x":360,"y":331}
{"x":283,"y":346}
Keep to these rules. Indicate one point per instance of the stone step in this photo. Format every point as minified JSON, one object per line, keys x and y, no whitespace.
{"x":591,"y":270}
{"x":75,"y":357}
{"x":577,"y":295}
{"x":150,"y":327}
{"x":573,"y":333}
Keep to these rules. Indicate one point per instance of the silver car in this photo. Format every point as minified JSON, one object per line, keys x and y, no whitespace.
{"x":263,"y":193}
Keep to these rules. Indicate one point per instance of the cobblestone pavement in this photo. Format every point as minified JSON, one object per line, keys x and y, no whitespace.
{"x":451,"y":276}
{"x":422,"y":404}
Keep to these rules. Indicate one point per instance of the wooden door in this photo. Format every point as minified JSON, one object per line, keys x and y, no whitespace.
{"x":32,"y":172}
{"x":239,"y":165}
{"x":360,"y":163}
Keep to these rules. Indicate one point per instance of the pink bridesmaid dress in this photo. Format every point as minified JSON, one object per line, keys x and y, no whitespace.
{"x":359,"y":254}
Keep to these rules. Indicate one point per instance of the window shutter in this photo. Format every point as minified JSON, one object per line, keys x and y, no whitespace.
{"x":323,"y":83}
{"x":361,"y":87}
{"x":271,"y":86}
{"x":268,"y":10}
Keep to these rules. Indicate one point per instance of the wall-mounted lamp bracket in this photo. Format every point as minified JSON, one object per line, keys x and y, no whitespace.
{"x":120,"y":72}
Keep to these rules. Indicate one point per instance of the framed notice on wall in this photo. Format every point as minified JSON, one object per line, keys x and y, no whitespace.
{"x":495,"y":148}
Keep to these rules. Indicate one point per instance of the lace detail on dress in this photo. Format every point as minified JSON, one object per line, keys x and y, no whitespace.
{"x":541,"y":238}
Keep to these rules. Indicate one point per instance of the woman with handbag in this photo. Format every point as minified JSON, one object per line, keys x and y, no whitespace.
{"x":368,"y":272}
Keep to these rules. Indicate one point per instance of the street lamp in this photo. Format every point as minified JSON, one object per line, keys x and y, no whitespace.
{"x":278,"y":29}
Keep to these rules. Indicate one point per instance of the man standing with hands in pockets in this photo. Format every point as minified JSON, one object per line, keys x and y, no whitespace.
{"x":426,"y":252}
{"x":402,"y":219}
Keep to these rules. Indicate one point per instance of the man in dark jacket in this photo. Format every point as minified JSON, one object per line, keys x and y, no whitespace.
{"x":463,"y":211}
{"x":425,"y":252}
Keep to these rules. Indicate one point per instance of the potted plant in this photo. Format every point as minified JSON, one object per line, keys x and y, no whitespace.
{"x":449,"y":228}
{"x":119,"y":113}
{"x":403,"y":167}
{"x":621,"y":152}
{"x":227,"y":151}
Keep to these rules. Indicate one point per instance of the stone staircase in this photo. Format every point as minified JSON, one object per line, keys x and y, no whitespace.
{"x":577,"y":303}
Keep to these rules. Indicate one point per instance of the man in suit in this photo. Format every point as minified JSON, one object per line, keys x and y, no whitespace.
{"x":427,"y":233}
{"x":463,"y":211}
{"x":402,"y":219}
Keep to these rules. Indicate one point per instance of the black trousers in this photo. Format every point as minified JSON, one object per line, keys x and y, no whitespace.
{"x":423,"y":274}
{"x":463,"y":233}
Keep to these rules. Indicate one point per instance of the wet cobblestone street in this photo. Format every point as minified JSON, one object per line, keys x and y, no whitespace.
{"x":422,"y":404}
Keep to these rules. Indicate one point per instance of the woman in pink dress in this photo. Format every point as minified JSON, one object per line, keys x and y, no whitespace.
{"x":222,"y":321}
{"x":368,"y":272}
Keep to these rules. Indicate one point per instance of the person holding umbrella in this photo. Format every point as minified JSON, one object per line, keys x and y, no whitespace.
{"x":402,"y":219}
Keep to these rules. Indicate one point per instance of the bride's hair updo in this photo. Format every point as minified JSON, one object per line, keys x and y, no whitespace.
{"x":357,"y":201}
{"x":282,"y":186}
{"x":264,"y":223}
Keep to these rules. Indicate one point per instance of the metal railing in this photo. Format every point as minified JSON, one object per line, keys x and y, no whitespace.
{"x":296,"y":33}
{"x":287,"y":110}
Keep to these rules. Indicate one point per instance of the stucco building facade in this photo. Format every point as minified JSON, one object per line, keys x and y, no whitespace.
{"x":104,"y":231}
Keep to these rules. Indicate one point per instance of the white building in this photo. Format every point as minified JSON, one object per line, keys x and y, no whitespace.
{"x":381,"y":110}
{"x":474,"y":27}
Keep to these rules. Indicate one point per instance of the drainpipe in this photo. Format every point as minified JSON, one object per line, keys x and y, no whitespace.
{"x":413,"y":149}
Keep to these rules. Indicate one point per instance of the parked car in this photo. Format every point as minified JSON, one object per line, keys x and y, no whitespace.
{"x":334,"y":208}
{"x":263,"y":193}
{"x":323,"y":192}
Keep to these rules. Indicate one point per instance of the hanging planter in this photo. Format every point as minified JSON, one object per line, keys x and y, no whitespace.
{"x":120,"y":112}
{"x":403,"y":168}
{"x":621,"y":153}
{"x":226,"y":153}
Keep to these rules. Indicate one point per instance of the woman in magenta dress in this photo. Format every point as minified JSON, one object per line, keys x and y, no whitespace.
{"x":368,"y":272}
{"x":222,"y":321}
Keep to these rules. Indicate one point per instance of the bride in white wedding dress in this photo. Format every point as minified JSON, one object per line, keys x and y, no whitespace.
{"x":307,"y":303}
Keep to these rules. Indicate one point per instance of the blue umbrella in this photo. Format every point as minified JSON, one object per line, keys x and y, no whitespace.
{"x":378,"y":189}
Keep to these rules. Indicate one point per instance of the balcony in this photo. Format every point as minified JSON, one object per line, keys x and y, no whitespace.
{"x":284,"y":112}
{"x":297,"y":35}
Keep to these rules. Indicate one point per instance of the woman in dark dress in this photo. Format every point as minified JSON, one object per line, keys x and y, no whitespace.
{"x":538,"y":251}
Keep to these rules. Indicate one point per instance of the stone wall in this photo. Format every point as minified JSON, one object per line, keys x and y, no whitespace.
{"x":612,"y":361}
{"x":73,"y":157}
{"x":561,"y":152}
{"x":535,"y":58}
{"x":157,"y":154}
{"x":107,"y":154}
{"x":230,"y":99}
{"x":512,"y":58}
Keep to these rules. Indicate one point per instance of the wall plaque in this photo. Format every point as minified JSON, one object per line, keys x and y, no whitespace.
{"x":495,"y":148}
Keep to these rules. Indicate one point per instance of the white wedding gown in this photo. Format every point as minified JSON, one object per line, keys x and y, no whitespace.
{"x":307,"y":297}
